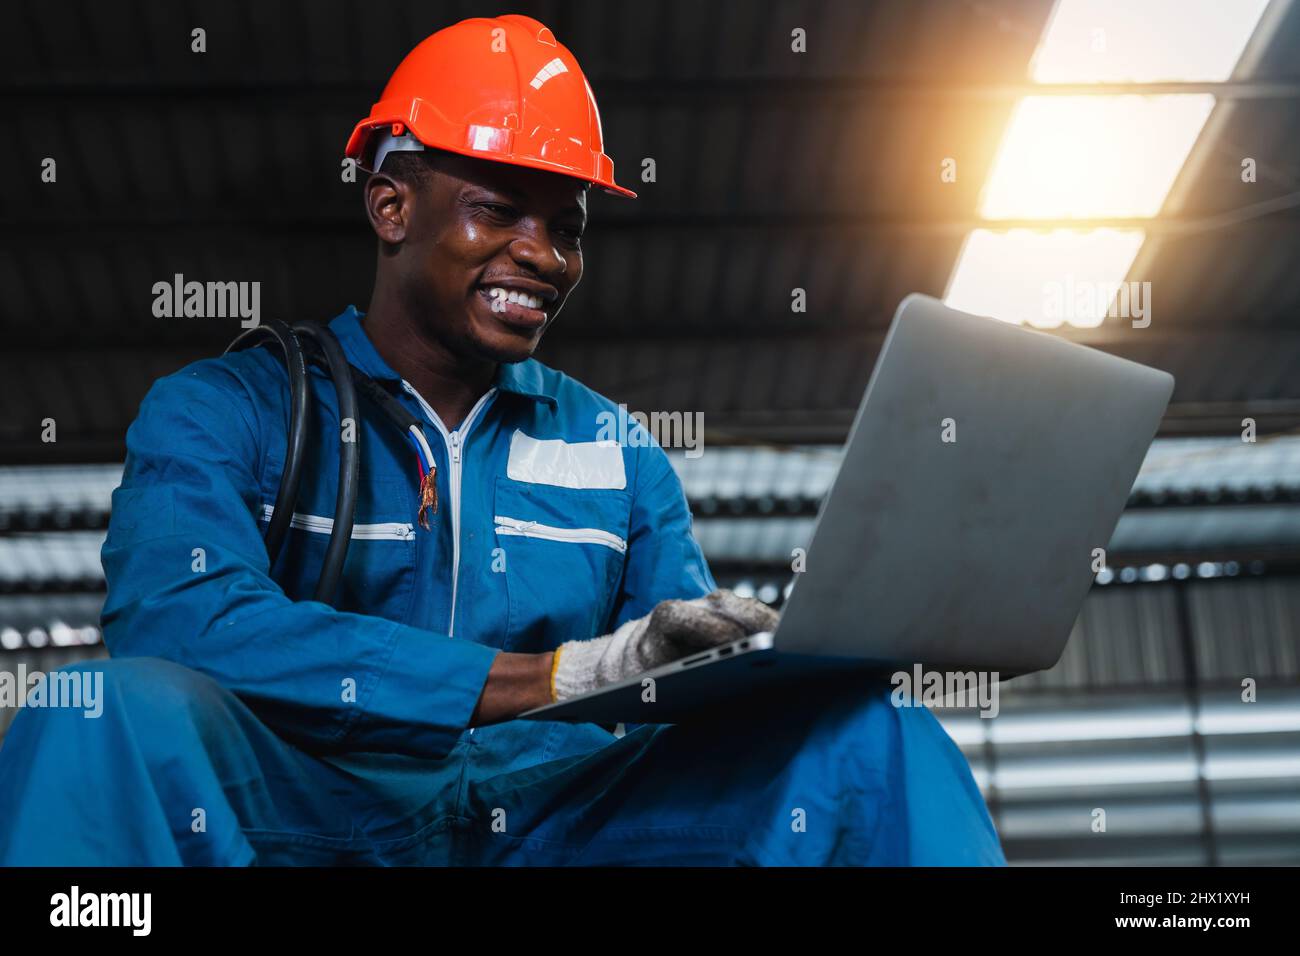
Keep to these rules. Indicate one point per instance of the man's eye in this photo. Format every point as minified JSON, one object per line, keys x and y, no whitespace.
{"x":499,"y":209}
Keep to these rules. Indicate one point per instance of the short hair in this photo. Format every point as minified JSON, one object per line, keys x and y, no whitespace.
{"x":413,"y":167}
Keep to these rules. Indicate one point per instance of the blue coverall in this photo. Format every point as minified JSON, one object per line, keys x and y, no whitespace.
{"x":244,"y":722}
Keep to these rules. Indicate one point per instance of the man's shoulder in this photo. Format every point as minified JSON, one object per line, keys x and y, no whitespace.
{"x":589,"y":415}
{"x":240,"y":390}
{"x":569,"y":393}
{"x":253,"y":376}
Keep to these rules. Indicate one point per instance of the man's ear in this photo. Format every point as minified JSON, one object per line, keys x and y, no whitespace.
{"x":388,"y":206}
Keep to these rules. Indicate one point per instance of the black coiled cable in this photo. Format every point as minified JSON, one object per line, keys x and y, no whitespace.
{"x":325,"y":349}
{"x":286,"y":498}
{"x":345,"y":506}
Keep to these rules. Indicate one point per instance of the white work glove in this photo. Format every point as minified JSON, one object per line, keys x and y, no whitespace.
{"x":672,"y":630}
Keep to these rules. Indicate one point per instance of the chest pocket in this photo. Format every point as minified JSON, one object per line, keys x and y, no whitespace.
{"x":379,"y":574}
{"x":563,"y":551}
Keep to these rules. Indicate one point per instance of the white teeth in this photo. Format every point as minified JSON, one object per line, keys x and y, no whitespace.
{"x":513,"y":295}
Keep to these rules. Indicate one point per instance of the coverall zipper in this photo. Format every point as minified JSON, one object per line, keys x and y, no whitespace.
{"x":383,"y":531}
{"x":534,"y":529}
{"x":455,"y":443}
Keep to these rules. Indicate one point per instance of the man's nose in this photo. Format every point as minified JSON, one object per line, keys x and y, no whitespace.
{"x":533,"y":246}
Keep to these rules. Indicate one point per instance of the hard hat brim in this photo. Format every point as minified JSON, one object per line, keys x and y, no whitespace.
{"x":364,"y":131}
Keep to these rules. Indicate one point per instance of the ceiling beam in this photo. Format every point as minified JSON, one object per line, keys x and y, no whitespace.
{"x":639,"y":92}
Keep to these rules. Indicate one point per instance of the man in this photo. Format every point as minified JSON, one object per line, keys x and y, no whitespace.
{"x":246,"y":723}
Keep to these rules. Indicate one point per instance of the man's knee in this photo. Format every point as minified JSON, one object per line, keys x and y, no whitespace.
{"x":156,"y":736}
{"x":161,"y":684}
{"x":146,"y":694}
{"x":850,"y":707}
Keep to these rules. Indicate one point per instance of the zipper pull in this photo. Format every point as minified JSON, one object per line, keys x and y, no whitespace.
{"x":454,"y":437}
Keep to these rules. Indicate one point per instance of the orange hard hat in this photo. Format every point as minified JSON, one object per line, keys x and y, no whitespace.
{"x":501,"y":89}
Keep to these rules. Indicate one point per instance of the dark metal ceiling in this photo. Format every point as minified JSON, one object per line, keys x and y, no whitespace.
{"x":775,"y":171}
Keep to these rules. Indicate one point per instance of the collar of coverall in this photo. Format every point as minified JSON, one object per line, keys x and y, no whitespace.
{"x":520,"y":378}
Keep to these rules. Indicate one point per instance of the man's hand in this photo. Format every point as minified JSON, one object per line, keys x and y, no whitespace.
{"x":674,"y":629}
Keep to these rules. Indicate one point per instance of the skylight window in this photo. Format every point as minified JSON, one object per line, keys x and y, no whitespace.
{"x":1095,"y":157}
{"x":1070,"y":157}
{"x":1145,"y":41}
{"x":1045,"y":278}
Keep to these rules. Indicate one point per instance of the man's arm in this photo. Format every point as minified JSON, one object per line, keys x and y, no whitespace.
{"x":325,"y":678}
{"x":516,"y":683}
{"x":667,"y":608}
{"x":664,"y":561}
{"x":662,"y":612}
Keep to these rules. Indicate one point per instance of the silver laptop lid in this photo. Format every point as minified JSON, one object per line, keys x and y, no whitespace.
{"x":973,"y":552}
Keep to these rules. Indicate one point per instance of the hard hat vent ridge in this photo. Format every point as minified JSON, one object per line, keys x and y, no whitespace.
{"x":551,"y":69}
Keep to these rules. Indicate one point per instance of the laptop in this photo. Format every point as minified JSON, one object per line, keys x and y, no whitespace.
{"x":986,"y":463}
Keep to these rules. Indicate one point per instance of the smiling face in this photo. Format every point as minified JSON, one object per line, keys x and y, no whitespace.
{"x":483,"y":254}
